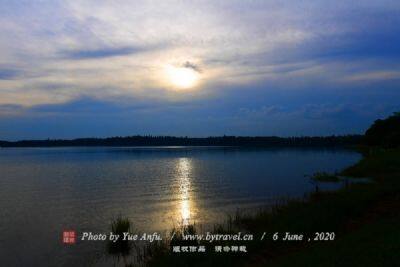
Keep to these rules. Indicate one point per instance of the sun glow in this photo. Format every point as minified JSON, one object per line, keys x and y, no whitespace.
{"x":182,"y":78}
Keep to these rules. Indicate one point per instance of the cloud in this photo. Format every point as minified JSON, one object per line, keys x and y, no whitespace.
{"x":9,"y":74}
{"x":9,"y":109}
{"x":100,"y":53}
{"x":374,"y":76}
{"x":192,"y":66}
{"x":90,"y":105}
{"x":262,"y":111}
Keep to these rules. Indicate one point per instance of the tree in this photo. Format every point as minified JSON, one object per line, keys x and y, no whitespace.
{"x":384,"y":132}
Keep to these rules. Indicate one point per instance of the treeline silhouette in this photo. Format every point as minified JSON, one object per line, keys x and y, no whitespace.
{"x":138,"y":140}
{"x":384,"y":132}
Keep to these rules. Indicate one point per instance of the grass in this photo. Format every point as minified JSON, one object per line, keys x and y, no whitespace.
{"x":324,"y":177}
{"x":363,"y":216}
{"x":370,"y":237}
{"x":121,"y":248}
{"x":129,"y":252}
{"x":379,"y":164}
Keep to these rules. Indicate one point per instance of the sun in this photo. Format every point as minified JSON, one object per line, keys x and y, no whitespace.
{"x":182,"y":78}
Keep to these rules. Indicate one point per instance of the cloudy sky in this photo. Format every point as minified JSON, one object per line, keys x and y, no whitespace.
{"x":199,"y":68}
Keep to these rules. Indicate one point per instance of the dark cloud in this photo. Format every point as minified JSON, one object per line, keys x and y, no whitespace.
{"x":80,"y":105}
{"x":100,"y":53}
{"x":90,"y":105}
{"x":7,"y":109}
{"x":9,"y":74}
{"x":262,"y":111}
{"x":191,"y":65}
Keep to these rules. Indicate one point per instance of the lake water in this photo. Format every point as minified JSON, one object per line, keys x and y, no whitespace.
{"x":44,"y":191}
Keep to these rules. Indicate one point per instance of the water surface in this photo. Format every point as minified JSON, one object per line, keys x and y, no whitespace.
{"x":44,"y":191}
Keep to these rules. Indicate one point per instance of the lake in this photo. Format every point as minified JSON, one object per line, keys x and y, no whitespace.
{"x":44,"y":191}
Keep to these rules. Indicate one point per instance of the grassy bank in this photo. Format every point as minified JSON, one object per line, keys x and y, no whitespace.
{"x":363,"y":217}
{"x":370,"y":237}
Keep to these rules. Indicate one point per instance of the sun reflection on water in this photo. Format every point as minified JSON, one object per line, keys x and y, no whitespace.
{"x":185,"y":207}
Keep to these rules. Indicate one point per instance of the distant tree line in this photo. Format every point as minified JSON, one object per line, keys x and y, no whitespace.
{"x":383,"y":132}
{"x":138,"y":140}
